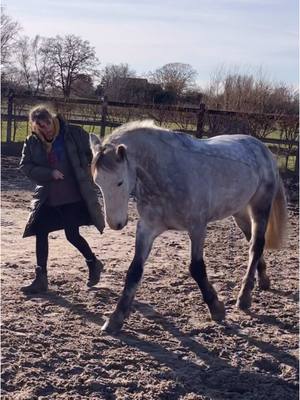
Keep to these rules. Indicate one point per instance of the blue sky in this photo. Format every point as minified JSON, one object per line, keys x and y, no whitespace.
{"x":240,"y":35}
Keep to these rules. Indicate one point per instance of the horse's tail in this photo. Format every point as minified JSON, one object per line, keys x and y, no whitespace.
{"x":276,"y":229}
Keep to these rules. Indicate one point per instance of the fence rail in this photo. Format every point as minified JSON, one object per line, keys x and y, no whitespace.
{"x":198,"y":121}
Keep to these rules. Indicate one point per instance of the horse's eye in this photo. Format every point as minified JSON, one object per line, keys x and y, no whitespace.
{"x":120,"y":183}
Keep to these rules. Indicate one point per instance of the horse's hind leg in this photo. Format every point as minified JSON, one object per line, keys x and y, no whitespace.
{"x":243,"y":221}
{"x":198,"y":272}
{"x":263,"y":279}
{"x":144,"y":240}
{"x":260,"y":211}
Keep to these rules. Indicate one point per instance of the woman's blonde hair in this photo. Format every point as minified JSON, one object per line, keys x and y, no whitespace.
{"x":41,"y":113}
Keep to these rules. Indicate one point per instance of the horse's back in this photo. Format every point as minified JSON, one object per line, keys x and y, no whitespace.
{"x":223,"y":173}
{"x":238,"y":153}
{"x":238,"y":148}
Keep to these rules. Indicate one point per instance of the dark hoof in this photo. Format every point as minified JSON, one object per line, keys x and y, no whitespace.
{"x":95,"y":273}
{"x":112,"y":326}
{"x":264,"y":283}
{"x":217,"y":311}
{"x":244,"y":302}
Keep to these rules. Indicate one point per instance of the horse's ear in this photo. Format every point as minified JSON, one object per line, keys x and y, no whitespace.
{"x":121,"y":152}
{"x":95,"y":144}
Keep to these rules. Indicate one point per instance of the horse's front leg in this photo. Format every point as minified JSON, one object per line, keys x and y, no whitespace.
{"x":198,"y":272}
{"x":145,"y":236}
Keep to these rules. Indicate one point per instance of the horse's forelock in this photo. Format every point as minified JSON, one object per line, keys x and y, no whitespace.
{"x":106,"y":159}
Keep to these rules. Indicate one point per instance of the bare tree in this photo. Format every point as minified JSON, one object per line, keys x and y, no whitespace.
{"x":289,"y":131}
{"x":9,"y":32}
{"x":34,"y":67}
{"x":83,"y":86}
{"x":69,"y":57}
{"x":113,"y":71}
{"x":24,"y":60}
{"x":249,"y":93}
{"x":42,"y":65}
{"x":174,"y":77}
{"x":114,"y":78}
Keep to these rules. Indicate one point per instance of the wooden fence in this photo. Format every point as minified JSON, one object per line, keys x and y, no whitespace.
{"x":198,"y":121}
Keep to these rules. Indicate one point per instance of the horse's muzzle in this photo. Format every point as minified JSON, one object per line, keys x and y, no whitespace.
{"x":118,"y":226}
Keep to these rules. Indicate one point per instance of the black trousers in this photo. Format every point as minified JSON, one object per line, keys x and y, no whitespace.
{"x":68,"y":215}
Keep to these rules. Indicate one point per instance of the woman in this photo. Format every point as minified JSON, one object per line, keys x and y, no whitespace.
{"x":57,"y":157}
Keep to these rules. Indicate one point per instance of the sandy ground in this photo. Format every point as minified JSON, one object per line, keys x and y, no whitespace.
{"x":52,"y":346}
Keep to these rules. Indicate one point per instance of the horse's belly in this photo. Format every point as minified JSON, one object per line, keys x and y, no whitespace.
{"x":230,"y":201}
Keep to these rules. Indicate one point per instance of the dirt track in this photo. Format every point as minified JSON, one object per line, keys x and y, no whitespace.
{"x":52,"y":347}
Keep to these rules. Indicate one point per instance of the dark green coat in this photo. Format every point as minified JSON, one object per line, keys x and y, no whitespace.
{"x":34,"y":164}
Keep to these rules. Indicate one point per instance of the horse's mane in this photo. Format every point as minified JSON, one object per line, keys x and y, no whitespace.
{"x":131,"y":127}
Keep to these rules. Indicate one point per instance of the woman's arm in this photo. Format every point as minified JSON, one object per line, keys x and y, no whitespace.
{"x":37,"y":173}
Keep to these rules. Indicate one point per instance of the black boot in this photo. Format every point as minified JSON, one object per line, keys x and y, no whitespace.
{"x":95,"y":267}
{"x":39,"y":284}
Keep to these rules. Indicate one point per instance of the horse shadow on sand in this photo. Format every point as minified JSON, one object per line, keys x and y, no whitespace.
{"x":203,"y":372}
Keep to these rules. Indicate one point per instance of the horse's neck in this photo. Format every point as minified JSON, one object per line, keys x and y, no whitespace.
{"x":142,"y":163}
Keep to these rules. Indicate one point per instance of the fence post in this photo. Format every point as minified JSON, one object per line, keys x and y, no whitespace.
{"x":103,"y":116}
{"x":200,"y":118}
{"x":297,"y":161}
{"x":9,"y":115}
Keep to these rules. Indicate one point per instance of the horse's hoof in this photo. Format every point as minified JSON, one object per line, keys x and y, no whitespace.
{"x":112,"y":326}
{"x":244,"y":302}
{"x":264,"y":283}
{"x":217,"y":311}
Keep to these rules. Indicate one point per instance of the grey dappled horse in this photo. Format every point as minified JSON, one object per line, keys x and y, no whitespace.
{"x":183,"y":183}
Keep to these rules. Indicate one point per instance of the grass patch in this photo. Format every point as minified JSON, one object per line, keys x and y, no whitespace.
{"x":291,"y":165}
{"x":18,"y":134}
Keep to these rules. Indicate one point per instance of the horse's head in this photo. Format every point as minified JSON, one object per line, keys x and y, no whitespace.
{"x":111,"y":173}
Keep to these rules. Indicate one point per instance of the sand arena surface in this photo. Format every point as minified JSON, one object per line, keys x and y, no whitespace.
{"x":52,"y":346}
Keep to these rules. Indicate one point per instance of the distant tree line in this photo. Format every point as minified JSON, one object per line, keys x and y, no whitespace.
{"x":248,"y":93}
{"x":68,"y":66}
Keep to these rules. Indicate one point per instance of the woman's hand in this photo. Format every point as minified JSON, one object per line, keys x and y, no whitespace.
{"x":56,"y":174}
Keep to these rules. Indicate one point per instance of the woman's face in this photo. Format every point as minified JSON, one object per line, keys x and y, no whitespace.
{"x":46,"y":128}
